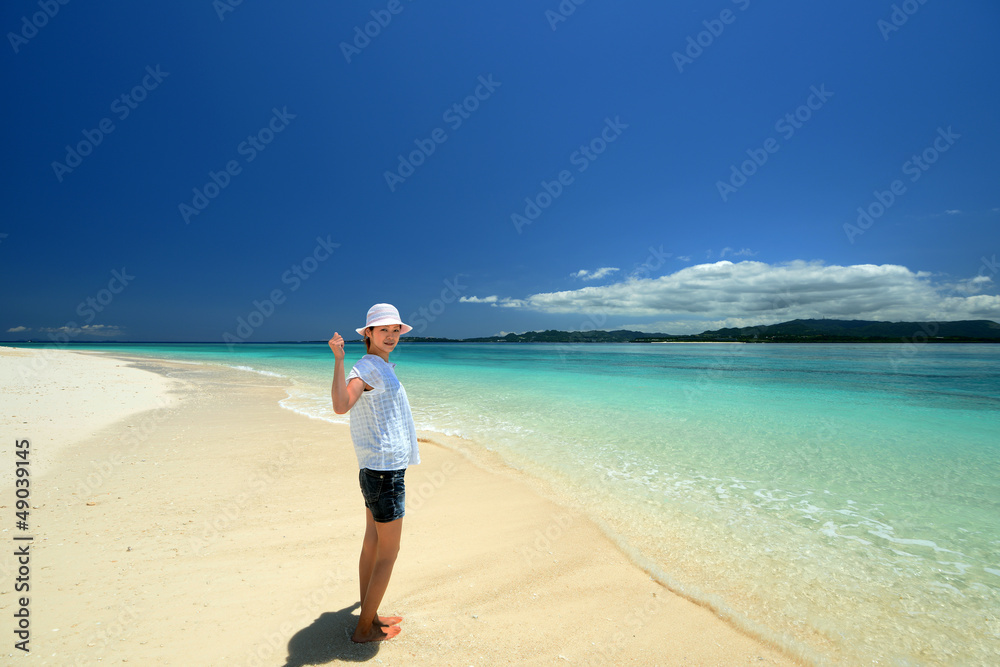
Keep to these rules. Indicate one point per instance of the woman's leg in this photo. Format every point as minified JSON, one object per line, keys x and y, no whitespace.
{"x":369,"y":549}
{"x":386,"y":547}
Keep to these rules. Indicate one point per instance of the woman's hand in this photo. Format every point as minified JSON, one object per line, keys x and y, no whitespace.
{"x":337,"y":346}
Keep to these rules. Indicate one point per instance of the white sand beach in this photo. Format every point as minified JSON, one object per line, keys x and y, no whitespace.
{"x":180,"y":516}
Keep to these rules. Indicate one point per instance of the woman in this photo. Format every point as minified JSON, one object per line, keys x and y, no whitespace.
{"x":385,"y":442}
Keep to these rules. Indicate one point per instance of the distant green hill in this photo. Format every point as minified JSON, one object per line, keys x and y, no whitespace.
{"x":553,"y":336}
{"x":863,"y":331}
{"x":795,"y":331}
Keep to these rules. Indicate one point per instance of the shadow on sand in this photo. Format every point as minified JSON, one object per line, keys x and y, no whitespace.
{"x":329,"y":639}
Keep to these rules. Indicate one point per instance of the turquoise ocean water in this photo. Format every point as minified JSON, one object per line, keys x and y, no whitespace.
{"x":843,"y":500}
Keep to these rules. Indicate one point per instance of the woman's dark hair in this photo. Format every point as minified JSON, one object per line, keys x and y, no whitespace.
{"x":368,"y":340}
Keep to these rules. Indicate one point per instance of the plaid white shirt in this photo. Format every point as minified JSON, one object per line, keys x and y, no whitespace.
{"x":381,"y":422}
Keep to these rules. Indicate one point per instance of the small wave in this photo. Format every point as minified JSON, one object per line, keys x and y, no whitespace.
{"x":962,"y":568}
{"x":256,"y":370}
{"x":287,"y":403}
{"x":919,"y":543}
{"x":316,"y":407}
{"x":830,"y":530}
{"x":947,"y":587}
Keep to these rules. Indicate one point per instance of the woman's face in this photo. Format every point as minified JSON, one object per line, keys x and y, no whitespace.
{"x":383,"y":339}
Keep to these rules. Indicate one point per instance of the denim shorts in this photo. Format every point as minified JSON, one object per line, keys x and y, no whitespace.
{"x":384,"y":493}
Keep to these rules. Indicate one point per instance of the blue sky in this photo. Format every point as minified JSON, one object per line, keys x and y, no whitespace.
{"x":198,"y":171}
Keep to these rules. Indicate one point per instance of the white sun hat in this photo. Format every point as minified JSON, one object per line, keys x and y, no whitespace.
{"x":383,"y":313}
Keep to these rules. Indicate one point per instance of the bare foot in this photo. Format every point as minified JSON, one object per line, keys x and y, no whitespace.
{"x":386,"y":621}
{"x":375,"y":634}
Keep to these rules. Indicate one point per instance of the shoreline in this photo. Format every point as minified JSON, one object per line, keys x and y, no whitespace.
{"x":33,"y":382}
{"x":230,"y":498}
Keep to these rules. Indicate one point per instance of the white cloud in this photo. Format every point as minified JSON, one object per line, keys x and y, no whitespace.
{"x":953,"y":211}
{"x":975,"y":285}
{"x":749,"y":292}
{"x":476,"y":299}
{"x":584,"y":274}
{"x":744,"y":252}
{"x":101,"y":330}
{"x":17,"y":329}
